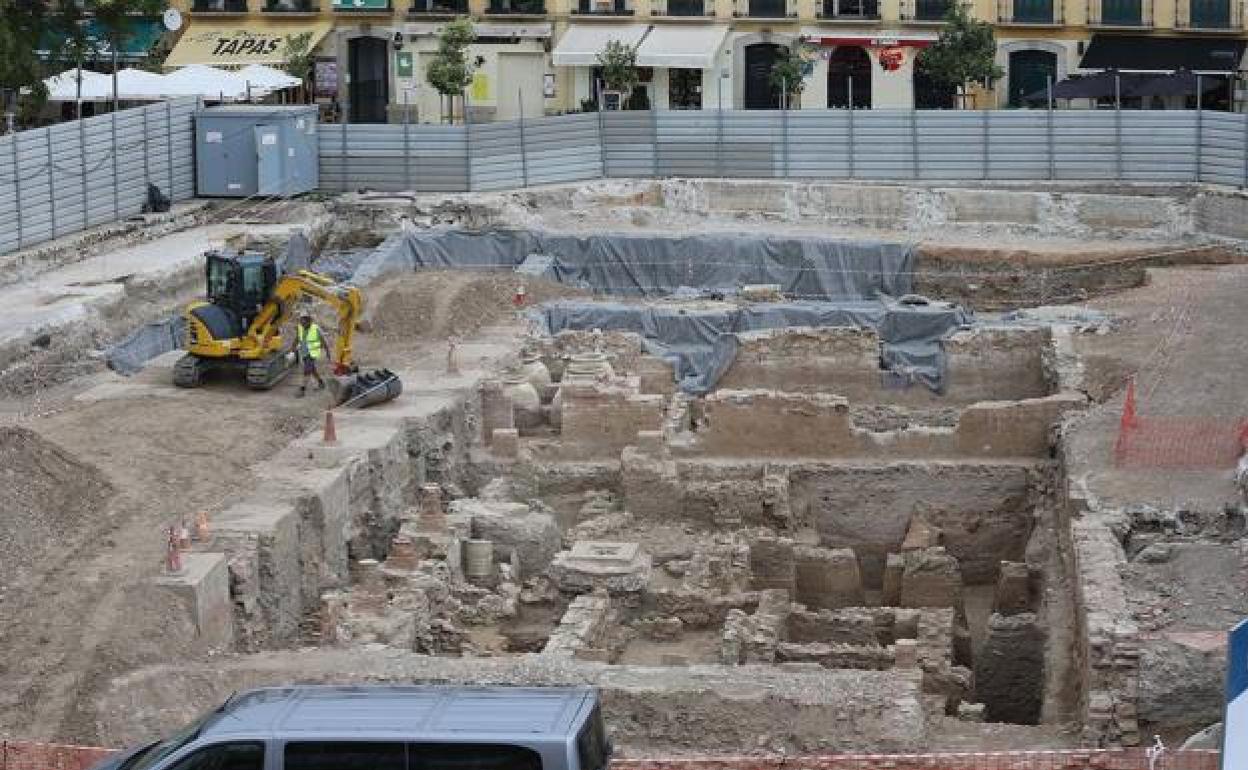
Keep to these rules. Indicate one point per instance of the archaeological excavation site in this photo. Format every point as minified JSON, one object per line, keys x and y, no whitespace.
{"x":779,"y":468}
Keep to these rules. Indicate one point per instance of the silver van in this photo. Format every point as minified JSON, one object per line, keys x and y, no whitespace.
{"x":387,"y":728}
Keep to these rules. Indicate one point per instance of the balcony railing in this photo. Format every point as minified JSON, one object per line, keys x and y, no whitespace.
{"x":925,"y":10}
{"x":438,"y":8}
{"x":517,"y":8}
{"x":1029,"y":12}
{"x":850,"y":10}
{"x":362,"y":6}
{"x":219,"y":6}
{"x":1217,"y":15}
{"x":766,"y":9}
{"x":604,"y":8}
{"x":1130,"y":14}
{"x":290,"y":6}
{"x":682,"y":8}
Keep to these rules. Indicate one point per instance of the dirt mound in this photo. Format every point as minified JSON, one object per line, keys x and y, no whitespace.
{"x":436,"y":304}
{"x":45,"y":493}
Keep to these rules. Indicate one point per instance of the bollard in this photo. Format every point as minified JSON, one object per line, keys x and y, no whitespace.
{"x":330,"y":435}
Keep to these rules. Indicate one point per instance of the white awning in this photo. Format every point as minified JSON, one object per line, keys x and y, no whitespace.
{"x":581,"y":44}
{"x":682,"y":46}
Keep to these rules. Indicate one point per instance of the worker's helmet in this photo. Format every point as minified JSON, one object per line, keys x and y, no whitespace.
{"x":305,"y":315}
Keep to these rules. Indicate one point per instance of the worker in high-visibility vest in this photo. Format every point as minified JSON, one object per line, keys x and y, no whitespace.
{"x":311,"y":347}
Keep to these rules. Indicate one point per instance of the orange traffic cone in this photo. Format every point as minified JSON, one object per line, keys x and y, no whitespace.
{"x":331,"y":434}
{"x":520,"y":296}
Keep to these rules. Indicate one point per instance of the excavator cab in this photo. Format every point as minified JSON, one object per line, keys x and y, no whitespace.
{"x":238,"y":287}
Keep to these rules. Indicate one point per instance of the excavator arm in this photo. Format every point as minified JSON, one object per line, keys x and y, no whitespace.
{"x":346,"y":300}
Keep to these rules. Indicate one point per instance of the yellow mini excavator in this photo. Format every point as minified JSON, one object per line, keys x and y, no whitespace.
{"x":239,"y":325}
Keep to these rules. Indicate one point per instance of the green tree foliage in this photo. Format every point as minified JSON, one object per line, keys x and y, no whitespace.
{"x":786,"y":74}
{"x":22,"y":24}
{"x":619,"y":68}
{"x":450,"y":72}
{"x":964,"y":53}
{"x":299,"y":58}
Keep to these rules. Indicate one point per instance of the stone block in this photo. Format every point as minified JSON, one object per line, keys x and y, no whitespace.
{"x":906,"y":653}
{"x":204,"y":589}
{"x":591,"y":565}
{"x":827,"y":578}
{"x":505,"y":443}
{"x":993,"y":206}
{"x":920,"y":535}
{"x":1116,"y":212}
{"x":772,"y":564}
{"x":932,"y":578}
{"x":894,"y":569}
{"x":1013,"y":594}
{"x":533,"y":534}
{"x":496,"y":409}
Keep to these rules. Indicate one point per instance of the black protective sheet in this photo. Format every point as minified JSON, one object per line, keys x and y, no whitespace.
{"x":658,"y":265}
{"x":702,"y":344}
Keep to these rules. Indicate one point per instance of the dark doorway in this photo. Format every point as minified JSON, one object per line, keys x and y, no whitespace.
{"x":367,"y":59}
{"x":849,"y":75}
{"x":684,"y":89}
{"x":1030,"y":72}
{"x":760,"y":92}
{"x":932,"y":94}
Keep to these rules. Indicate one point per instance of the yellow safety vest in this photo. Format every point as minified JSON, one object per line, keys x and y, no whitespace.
{"x":310,"y":340}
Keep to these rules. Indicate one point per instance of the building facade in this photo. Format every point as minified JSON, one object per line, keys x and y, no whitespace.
{"x":536,"y":57}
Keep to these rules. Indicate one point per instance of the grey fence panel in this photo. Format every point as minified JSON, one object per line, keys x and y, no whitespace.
{"x":422,"y":158}
{"x":883,"y":144}
{"x":1157,"y":146}
{"x":562,"y":149}
{"x":497,"y":156}
{"x":1222,"y":156}
{"x":817,"y":144}
{"x":629,"y":149}
{"x":682,"y":148}
{"x":1018,"y":145}
{"x":1084,"y":146}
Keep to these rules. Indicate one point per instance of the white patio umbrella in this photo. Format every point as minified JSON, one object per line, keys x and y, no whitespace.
{"x":64,"y":87}
{"x":208,"y":82}
{"x":268,"y":78}
{"x":136,"y":85}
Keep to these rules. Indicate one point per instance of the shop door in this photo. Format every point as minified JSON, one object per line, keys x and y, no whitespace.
{"x":1030,"y":72}
{"x":370,"y":79}
{"x":520,"y":83}
{"x":684,"y":89}
{"x":760,"y":93}
{"x":849,"y":65}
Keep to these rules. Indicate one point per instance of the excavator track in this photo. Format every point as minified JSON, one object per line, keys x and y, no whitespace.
{"x":264,"y":373}
{"x":189,"y":371}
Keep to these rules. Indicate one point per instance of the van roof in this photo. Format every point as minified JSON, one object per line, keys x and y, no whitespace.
{"x":401,"y":712}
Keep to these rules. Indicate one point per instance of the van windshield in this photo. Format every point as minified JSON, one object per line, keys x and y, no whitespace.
{"x":163,"y":748}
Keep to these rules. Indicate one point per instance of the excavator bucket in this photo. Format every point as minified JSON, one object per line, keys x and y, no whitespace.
{"x":365,"y":389}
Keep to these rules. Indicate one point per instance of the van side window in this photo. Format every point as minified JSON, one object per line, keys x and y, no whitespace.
{"x":591,"y":743}
{"x":345,"y":755}
{"x":224,"y":756}
{"x":472,"y":756}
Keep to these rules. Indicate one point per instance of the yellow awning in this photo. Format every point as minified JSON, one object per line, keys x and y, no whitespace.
{"x":255,"y":41}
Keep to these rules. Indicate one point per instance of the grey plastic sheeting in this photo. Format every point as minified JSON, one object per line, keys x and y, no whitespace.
{"x":655,"y":265}
{"x":702,"y":344}
{"x":145,"y":343}
{"x":839,"y":283}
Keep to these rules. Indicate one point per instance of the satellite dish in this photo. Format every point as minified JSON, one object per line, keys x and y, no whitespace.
{"x":172,"y":19}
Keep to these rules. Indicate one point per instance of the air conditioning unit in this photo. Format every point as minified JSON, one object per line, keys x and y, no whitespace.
{"x":603,"y":6}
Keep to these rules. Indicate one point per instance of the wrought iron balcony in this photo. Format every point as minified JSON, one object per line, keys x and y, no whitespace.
{"x":682,"y":8}
{"x":1033,"y":12}
{"x":604,"y":8}
{"x":1210,"y":15}
{"x":850,"y":10}
{"x":291,"y":6}
{"x":925,"y":10}
{"x":517,"y":8}
{"x":219,"y":6}
{"x":766,"y":9}
{"x":1131,"y":14}
{"x":438,"y":8}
